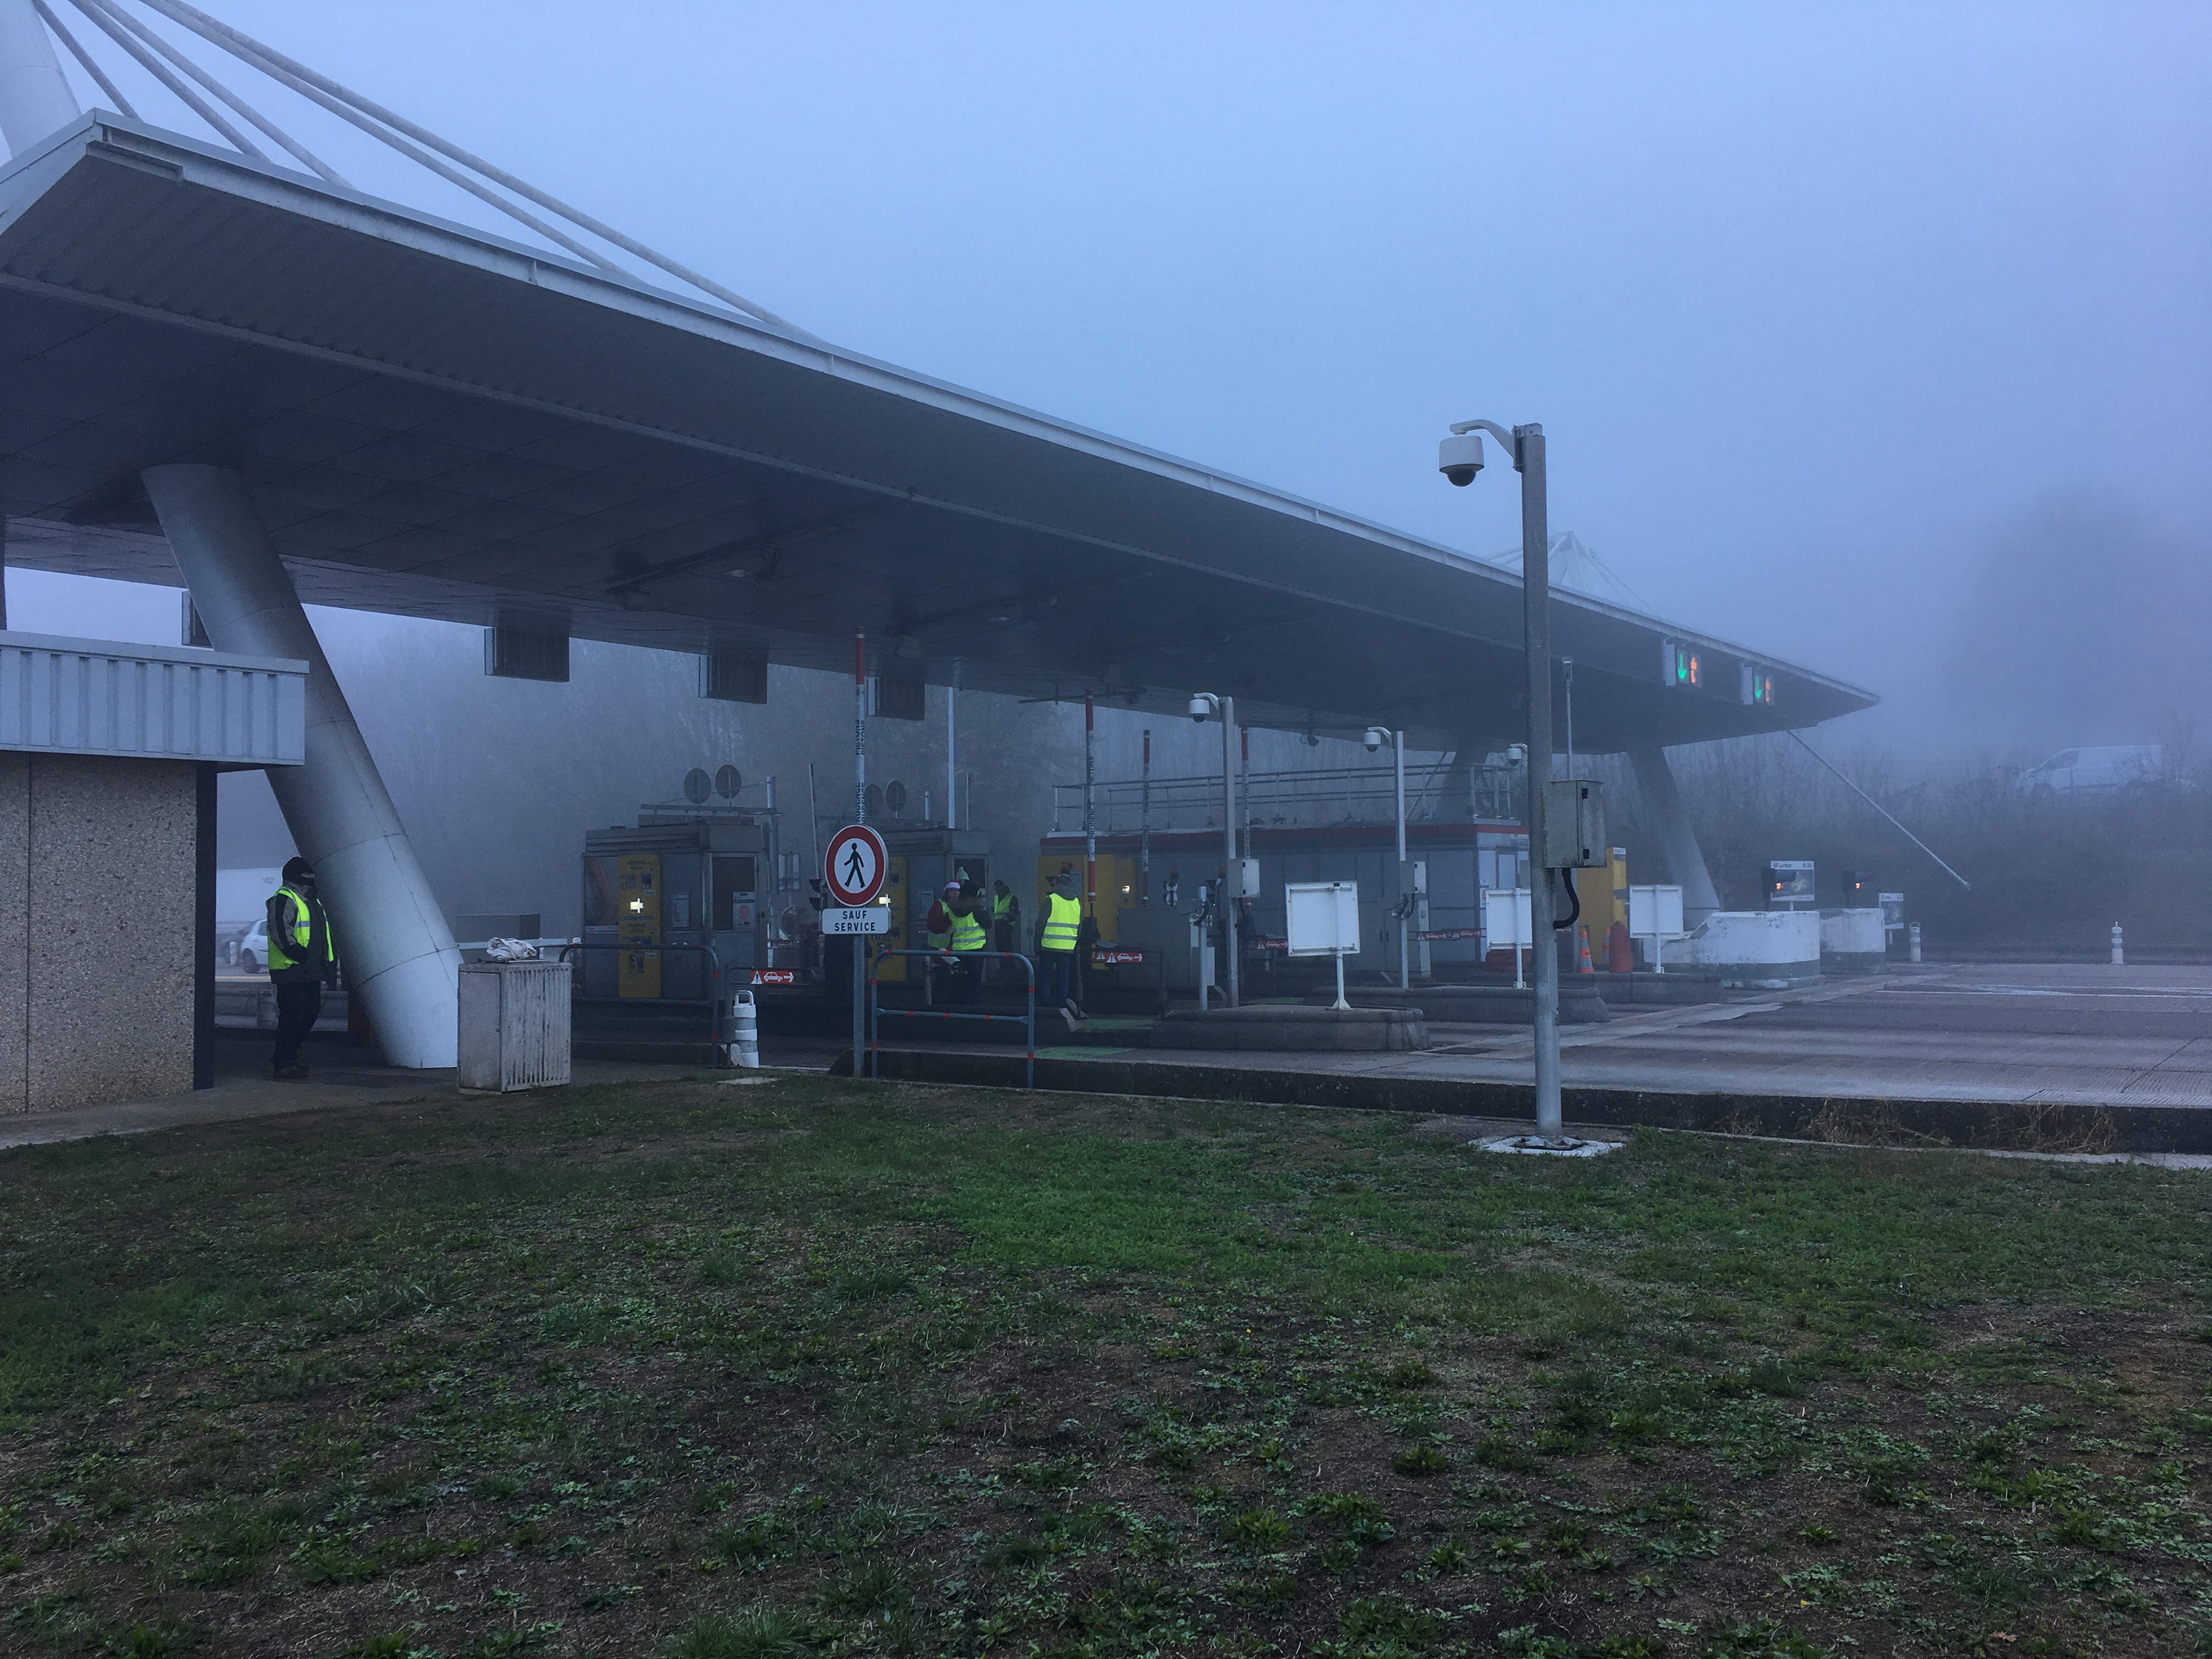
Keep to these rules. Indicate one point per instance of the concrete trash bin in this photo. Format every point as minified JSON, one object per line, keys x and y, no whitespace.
{"x":515,"y":1024}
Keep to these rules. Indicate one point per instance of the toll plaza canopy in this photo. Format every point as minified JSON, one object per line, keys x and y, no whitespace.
{"x":438,"y":422}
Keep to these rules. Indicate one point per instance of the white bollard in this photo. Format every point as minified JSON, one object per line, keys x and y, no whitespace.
{"x":2119,"y":950}
{"x":1912,"y":939}
{"x":745,"y":1030}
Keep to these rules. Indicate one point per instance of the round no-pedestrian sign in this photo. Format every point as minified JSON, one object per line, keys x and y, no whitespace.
{"x":854,"y":867}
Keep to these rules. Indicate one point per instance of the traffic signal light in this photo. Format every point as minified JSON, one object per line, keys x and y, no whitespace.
{"x":1681,"y":667}
{"x":820,"y":896}
{"x":1758,"y":687}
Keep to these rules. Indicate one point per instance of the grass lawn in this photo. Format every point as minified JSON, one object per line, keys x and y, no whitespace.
{"x":804,"y":1367}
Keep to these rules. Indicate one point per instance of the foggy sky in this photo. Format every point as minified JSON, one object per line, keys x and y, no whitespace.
{"x":1817,"y":304}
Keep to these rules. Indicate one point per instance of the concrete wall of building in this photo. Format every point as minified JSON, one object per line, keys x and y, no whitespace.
{"x":14,"y":931}
{"x":97,"y":889}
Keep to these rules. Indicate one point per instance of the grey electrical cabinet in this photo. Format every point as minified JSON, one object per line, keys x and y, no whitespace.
{"x":1574,"y":825}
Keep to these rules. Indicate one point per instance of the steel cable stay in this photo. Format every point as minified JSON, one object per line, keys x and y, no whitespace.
{"x":154,"y":40}
{"x":86,"y":61}
{"x":164,"y":60}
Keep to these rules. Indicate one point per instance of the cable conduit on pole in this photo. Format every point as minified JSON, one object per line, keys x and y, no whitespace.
{"x":85,"y":59}
{"x":119,"y":32}
{"x":243,"y":45}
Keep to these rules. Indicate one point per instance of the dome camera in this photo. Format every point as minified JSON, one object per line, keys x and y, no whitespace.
{"x":1376,"y":738}
{"x":1200,"y":706}
{"x":1459,"y":457}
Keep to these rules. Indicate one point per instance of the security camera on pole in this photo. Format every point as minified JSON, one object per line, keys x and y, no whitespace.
{"x":1459,"y":458}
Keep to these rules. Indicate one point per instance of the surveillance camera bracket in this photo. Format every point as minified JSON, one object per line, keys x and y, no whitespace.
{"x":1511,"y":439}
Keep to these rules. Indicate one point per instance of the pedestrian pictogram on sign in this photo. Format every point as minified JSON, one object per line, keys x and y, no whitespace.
{"x":854,"y":865}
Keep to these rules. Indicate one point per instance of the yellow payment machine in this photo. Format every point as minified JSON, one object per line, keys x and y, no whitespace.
{"x":637,"y":924}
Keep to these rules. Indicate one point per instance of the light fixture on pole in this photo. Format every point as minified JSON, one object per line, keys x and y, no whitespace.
{"x":1459,"y":458}
{"x":1203,"y":703}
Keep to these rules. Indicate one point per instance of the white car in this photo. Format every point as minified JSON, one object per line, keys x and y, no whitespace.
{"x":253,"y":950}
{"x":2101,"y":770}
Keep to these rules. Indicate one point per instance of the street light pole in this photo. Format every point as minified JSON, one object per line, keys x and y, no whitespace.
{"x":1408,"y":902}
{"x":1536,"y":630}
{"x":1203,"y":703}
{"x":1232,"y":877}
{"x":1406,"y":922}
{"x":1460,"y":461}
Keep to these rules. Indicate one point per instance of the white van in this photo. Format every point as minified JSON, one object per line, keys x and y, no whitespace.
{"x":2096,"y":771}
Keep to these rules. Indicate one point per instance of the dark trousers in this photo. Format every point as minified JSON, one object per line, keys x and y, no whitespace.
{"x":1055,"y":976}
{"x":966,"y":976}
{"x":299,"y":1001}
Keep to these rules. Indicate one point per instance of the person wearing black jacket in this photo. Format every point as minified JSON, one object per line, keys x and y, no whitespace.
{"x":300,"y":960}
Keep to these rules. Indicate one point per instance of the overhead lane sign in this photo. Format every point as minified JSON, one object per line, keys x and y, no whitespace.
{"x":854,"y":867}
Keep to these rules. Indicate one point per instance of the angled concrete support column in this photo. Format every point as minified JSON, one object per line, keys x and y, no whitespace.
{"x":1676,"y":839}
{"x":34,"y":98}
{"x":398,"y":948}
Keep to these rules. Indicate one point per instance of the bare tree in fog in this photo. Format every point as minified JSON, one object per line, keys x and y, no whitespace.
{"x":2083,"y":624}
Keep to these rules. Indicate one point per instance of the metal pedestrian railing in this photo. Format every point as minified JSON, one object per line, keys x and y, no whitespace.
{"x":714,"y":1000}
{"x":1026,"y":1019}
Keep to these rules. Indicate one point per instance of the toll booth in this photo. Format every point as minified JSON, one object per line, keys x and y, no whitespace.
{"x":919,"y":862}
{"x":654,"y":894}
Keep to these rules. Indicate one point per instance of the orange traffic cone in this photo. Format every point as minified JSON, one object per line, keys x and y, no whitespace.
{"x":1581,"y":953}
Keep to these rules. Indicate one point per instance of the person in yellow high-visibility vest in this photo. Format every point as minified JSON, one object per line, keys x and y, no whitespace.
{"x":1059,"y":930}
{"x":300,"y":960}
{"x":964,"y":909}
{"x":1005,"y":918}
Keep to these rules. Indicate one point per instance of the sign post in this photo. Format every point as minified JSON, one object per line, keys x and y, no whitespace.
{"x":1323,"y":920}
{"x":860,"y":817}
{"x":1655,"y":914}
{"x":853,"y":869}
{"x":1506,"y":920}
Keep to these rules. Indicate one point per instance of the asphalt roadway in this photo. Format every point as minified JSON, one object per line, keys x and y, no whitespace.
{"x":2009,"y":1035}
{"x":2019,"y":1034}
{"x":2076,"y":1058}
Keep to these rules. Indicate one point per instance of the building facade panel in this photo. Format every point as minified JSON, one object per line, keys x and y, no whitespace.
{"x":14,"y":931}
{"x":108,"y":928}
{"x":96,"y":697}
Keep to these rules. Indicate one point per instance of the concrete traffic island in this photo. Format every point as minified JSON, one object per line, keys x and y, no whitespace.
{"x":1305,"y":1030}
{"x":1469,"y":1005}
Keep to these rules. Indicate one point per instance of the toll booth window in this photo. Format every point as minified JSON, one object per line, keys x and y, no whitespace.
{"x":735,"y":883}
{"x":600,"y":903}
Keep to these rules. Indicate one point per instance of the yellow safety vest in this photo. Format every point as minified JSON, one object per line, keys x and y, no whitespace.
{"x":1001,"y":904}
{"x":1063,"y":920}
{"x":967,"y":931}
{"x":290,"y":953}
